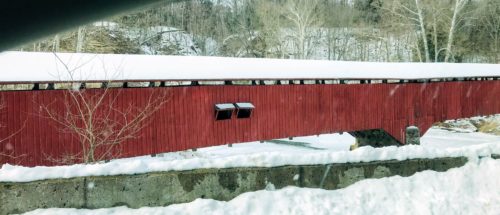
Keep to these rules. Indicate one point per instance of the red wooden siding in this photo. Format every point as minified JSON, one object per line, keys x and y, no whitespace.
{"x":187,"y":120}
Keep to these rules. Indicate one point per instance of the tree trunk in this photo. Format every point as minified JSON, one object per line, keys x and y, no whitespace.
{"x":436,"y":48}
{"x":91,"y":157}
{"x":80,"y":37}
{"x":419,"y":53}
{"x":423,"y":31}
{"x":458,"y":7}
{"x":56,"y":42}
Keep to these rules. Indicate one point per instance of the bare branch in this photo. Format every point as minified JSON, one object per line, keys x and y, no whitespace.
{"x":99,"y":123}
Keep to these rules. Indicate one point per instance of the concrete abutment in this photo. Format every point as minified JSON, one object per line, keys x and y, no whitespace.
{"x":165,"y":188}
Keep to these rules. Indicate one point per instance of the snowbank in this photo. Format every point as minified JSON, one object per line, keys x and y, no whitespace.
{"x":247,"y":158}
{"x":32,"y":66}
{"x":471,"y":189}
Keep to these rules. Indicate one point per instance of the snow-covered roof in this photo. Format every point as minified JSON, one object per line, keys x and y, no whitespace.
{"x":45,"y":67}
{"x":225,"y":106}
{"x":245,"y":105}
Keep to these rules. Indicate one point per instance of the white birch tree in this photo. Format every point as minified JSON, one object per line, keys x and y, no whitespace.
{"x":455,"y":19}
{"x":412,"y":13}
{"x":80,"y":38}
{"x":303,"y":15}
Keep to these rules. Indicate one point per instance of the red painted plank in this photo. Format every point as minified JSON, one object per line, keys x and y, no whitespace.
{"x":187,"y":120}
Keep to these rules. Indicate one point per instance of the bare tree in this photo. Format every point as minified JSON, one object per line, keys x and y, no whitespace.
{"x":455,"y":19}
{"x":421,"y":14}
{"x":488,"y":14}
{"x":80,"y":38}
{"x":98,"y":122}
{"x":412,"y":11}
{"x":339,"y":19}
{"x":303,"y":14}
{"x":271,"y":32}
{"x":56,"y":43}
{"x":338,"y":42}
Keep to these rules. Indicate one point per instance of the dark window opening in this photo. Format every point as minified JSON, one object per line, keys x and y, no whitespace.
{"x":244,"y":113}
{"x":244,"y":110}
{"x":223,"y":114}
{"x":224,"y":111}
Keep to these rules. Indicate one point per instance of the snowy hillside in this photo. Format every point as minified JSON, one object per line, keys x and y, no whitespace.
{"x":161,"y":40}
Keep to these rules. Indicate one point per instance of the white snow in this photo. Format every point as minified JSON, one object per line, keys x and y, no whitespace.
{"x":32,"y":66}
{"x":245,"y":105}
{"x":107,"y":24}
{"x":155,"y":39}
{"x":437,"y":138}
{"x":224,"y":106}
{"x":471,"y":189}
{"x":324,"y":149}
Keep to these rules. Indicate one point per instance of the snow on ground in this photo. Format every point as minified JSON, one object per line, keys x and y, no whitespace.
{"x":311,"y":144}
{"x":322,"y":149}
{"x":471,"y":189}
{"x":438,"y":138}
{"x":48,"y":67}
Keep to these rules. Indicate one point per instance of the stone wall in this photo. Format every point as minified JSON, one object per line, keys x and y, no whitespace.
{"x":165,"y":188}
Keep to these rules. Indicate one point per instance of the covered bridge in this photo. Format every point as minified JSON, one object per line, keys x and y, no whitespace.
{"x":207,"y":101}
